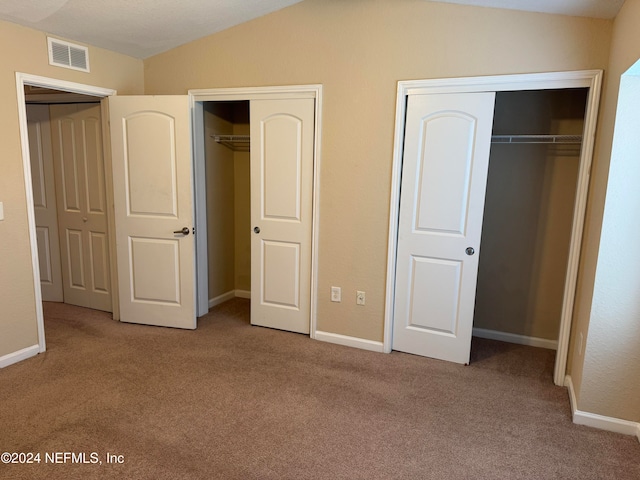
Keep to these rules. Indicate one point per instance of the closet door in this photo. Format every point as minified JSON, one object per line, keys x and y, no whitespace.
{"x":153,"y":202}
{"x":444,"y":175}
{"x":82,"y":206}
{"x":44,"y":200}
{"x":282,"y":146}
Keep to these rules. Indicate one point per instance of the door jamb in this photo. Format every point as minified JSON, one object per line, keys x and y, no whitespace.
{"x":196,"y":99}
{"x":23,"y":79}
{"x":591,"y":79}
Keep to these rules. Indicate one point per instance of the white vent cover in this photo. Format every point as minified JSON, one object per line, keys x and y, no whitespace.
{"x":68,"y":55}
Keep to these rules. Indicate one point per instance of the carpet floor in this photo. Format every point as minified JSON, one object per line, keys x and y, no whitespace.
{"x":232,"y":401}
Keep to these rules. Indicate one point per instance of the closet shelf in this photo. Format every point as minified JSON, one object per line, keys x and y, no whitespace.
{"x":234,"y":142}
{"x":542,"y":139}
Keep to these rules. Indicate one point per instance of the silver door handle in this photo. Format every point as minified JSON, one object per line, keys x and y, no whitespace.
{"x":184,"y":231}
{"x":469,"y":251}
{"x":256,"y":229}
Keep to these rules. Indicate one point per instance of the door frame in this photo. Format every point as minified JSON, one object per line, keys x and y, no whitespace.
{"x":23,"y":79}
{"x":591,"y":79}
{"x":197,"y":97}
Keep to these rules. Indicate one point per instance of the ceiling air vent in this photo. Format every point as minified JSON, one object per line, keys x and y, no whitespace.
{"x":68,"y":55}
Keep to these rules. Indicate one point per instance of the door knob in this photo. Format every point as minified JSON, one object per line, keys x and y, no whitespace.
{"x":470,"y":251}
{"x":184,"y":231}
{"x":256,"y":229}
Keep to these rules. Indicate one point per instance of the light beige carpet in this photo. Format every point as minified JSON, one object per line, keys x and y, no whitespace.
{"x":239,"y":402}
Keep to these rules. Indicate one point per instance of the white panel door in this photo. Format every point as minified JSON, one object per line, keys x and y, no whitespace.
{"x":44,"y":200}
{"x":282,"y":146}
{"x":153,"y":199}
{"x":444,"y":176}
{"x":82,"y":207}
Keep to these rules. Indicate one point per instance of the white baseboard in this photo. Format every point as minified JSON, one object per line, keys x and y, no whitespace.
{"x":602,"y":422}
{"x":228,"y":296}
{"x":349,"y":341}
{"x":514,"y":338}
{"x":606,"y":423}
{"x":221,"y":298}
{"x":18,"y":356}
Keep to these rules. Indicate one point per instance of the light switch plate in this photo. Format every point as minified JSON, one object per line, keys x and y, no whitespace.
{"x":1,"y":211}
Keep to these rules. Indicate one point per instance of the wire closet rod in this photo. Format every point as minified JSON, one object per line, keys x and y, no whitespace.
{"x":232,"y":138}
{"x":234,"y":142}
{"x":553,"y":139}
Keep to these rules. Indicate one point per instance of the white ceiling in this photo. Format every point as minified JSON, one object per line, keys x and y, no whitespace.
{"x":142,"y":28}
{"x":578,"y":8}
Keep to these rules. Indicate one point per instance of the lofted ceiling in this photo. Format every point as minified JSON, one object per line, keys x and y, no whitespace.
{"x":578,"y":8}
{"x":142,"y":28}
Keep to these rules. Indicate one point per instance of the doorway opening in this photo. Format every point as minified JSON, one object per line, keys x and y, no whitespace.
{"x":29,"y":82}
{"x":528,"y":214}
{"x":228,"y":200}
{"x":256,"y":164}
{"x":69,"y":193}
{"x":477,"y":87}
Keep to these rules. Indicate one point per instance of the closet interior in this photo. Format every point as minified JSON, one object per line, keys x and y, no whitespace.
{"x":228,"y":199}
{"x":528,"y":214}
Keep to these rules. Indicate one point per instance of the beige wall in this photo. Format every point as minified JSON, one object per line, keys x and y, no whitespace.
{"x":606,"y":375}
{"x":359,"y":51}
{"x":25,"y":50}
{"x":528,"y":214}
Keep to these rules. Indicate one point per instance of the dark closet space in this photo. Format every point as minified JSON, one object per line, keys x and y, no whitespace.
{"x":528,"y":214}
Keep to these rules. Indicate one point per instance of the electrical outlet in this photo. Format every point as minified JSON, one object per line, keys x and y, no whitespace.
{"x":336,"y":294}
{"x":359,"y":297}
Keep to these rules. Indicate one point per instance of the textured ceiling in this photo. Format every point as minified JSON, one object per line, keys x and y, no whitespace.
{"x":142,"y":28}
{"x":579,"y":8}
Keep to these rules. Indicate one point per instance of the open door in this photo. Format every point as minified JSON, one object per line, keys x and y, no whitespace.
{"x":153,"y":200}
{"x":444,"y":176}
{"x":282,"y":146}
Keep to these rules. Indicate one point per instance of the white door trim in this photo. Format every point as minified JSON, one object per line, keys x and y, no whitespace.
{"x":196,"y":97}
{"x":591,"y":79}
{"x":23,"y":79}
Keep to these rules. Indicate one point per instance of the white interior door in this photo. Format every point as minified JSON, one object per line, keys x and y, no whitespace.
{"x":444,"y":176}
{"x":153,"y":199}
{"x":44,"y":200}
{"x":282,"y":146}
{"x":82,"y":207}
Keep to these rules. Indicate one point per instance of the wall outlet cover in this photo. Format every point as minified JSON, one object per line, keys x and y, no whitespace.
{"x":336,"y":294}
